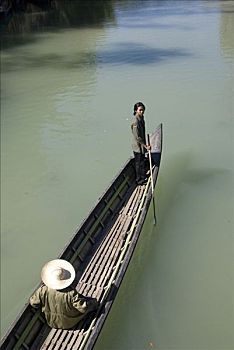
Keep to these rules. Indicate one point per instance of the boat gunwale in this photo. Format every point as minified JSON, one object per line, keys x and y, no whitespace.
{"x":27,"y":308}
{"x":118,"y":280}
{"x":127,"y":259}
{"x":122,"y":270}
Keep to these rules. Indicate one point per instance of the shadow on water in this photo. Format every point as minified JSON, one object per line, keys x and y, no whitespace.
{"x":136,"y":54}
{"x":123,"y":53}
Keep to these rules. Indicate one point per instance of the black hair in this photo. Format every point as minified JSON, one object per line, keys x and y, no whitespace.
{"x":136,"y":105}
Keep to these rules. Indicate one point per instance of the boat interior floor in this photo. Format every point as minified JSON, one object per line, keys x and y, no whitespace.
{"x":98,"y":277}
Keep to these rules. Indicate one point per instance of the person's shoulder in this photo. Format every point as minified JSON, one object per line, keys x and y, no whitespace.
{"x":134,"y":122}
{"x":41,"y":290}
{"x":42,"y":287}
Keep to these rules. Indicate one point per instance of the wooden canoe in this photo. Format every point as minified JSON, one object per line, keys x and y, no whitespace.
{"x":100,"y":252}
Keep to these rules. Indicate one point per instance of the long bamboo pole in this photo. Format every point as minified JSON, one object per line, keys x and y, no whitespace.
{"x":151,"y":177}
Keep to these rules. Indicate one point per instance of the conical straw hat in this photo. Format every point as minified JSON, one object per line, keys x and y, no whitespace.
{"x":58,"y":274}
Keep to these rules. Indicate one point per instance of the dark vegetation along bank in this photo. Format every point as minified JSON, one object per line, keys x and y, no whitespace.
{"x":25,"y":16}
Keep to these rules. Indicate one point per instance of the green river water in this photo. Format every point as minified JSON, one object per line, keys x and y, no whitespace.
{"x":69,"y":79}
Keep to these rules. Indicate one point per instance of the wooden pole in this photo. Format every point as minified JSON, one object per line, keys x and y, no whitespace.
{"x":151,"y":177}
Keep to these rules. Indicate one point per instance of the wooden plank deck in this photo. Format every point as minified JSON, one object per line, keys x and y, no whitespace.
{"x":94,"y":281}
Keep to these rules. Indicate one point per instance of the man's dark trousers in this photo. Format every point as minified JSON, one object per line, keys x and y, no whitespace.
{"x":140,"y":166}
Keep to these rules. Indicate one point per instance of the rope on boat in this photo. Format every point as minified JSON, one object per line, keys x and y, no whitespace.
{"x":119,"y":262}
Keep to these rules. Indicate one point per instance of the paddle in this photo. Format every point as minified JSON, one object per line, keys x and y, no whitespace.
{"x":151,"y":177}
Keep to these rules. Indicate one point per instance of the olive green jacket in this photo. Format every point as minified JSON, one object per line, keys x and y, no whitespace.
{"x":138,"y":135}
{"x":62,"y":309}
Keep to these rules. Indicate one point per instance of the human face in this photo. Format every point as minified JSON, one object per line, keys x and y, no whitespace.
{"x":140,"y":111}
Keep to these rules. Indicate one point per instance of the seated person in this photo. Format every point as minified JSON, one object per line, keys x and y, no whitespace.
{"x":62,"y":305}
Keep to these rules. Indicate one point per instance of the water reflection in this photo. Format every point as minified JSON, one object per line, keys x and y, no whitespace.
{"x":158,"y":8}
{"x":76,"y":60}
{"x":62,"y":81}
{"x":227,"y":27}
{"x":58,"y":15}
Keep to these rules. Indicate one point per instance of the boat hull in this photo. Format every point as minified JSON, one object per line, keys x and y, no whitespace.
{"x":100,"y":252}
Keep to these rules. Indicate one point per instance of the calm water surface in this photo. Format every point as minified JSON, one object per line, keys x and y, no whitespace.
{"x":67,"y":92}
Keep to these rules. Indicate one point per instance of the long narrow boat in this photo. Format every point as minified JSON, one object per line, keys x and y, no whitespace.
{"x":100,"y":252}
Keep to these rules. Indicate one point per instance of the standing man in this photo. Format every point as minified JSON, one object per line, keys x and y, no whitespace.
{"x":139,"y":146}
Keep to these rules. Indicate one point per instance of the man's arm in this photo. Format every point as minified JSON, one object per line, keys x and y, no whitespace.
{"x":136,"y":135}
{"x":35,"y":299}
{"x":84,"y":304}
